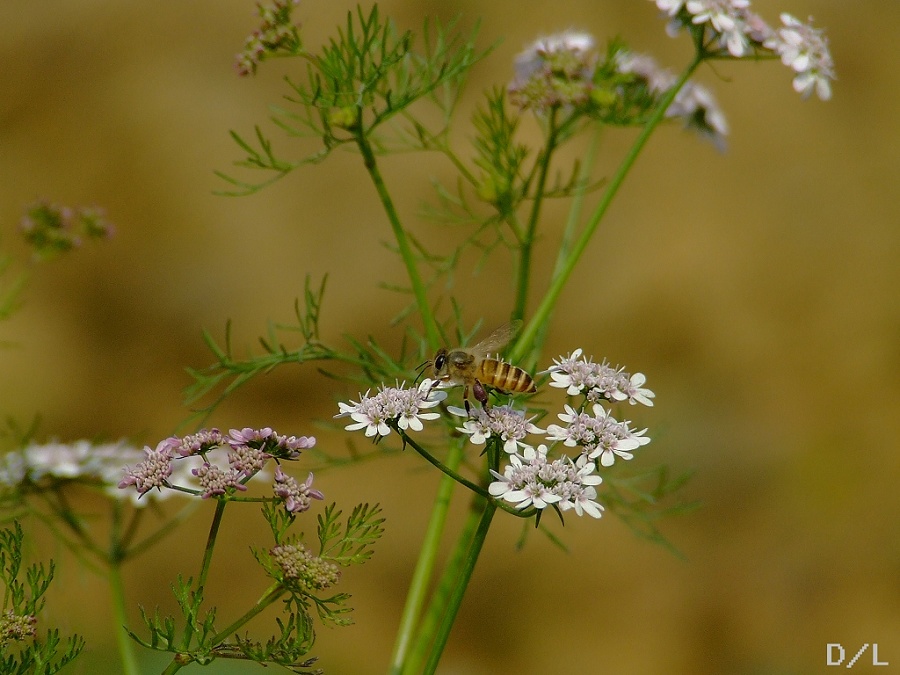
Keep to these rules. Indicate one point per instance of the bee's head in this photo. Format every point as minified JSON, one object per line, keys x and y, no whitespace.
{"x":439,"y":364}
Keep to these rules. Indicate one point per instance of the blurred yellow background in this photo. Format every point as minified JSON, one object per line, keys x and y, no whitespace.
{"x":756,"y":289}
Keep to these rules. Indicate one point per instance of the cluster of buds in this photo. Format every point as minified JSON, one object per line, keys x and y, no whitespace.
{"x":51,"y":229}
{"x":277,"y":34}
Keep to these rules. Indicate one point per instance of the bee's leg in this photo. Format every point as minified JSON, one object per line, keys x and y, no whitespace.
{"x":480,"y":394}
{"x":466,"y":399}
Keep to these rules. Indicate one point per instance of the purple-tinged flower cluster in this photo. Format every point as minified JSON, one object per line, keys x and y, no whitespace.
{"x":393,"y":404}
{"x":598,"y":381}
{"x":153,"y":472}
{"x":740,"y":32}
{"x":188,"y":464}
{"x":195,"y":444}
{"x":51,"y":229}
{"x":502,"y":421}
{"x":297,"y":496}
{"x":533,"y":480}
{"x":598,"y":435}
{"x":215,"y":481}
{"x":277,"y":33}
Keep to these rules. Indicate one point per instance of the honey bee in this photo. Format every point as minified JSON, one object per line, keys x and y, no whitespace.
{"x":473,"y":367}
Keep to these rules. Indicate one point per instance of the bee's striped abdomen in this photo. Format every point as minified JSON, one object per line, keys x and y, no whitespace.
{"x":503,"y":376}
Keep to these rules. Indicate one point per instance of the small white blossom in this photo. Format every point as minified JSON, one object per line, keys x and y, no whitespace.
{"x":37,"y":465}
{"x":805,"y":50}
{"x":533,"y":480}
{"x":599,"y":435}
{"x":727,"y":19}
{"x":598,"y":380}
{"x":373,"y":413}
{"x":501,"y":420}
{"x":670,"y":7}
{"x":697,"y":106}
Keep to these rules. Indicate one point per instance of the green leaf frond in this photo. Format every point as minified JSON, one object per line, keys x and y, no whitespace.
{"x":229,"y":372}
{"x":368,"y":74}
{"x":350,"y":543}
{"x":641,"y":500}
{"x":21,"y":650}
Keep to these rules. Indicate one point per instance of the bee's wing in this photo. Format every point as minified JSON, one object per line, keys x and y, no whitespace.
{"x":497,"y":340}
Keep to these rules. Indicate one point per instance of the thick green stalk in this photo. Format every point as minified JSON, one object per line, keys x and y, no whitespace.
{"x":418,"y":287}
{"x":550,"y":298}
{"x":117,"y":592}
{"x":126,"y":646}
{"x":418,"y":587}
{"x":456,"y":597}
{"x":437,"y":607}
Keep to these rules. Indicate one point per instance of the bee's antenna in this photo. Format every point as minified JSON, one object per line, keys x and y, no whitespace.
{"x":421,"y":369}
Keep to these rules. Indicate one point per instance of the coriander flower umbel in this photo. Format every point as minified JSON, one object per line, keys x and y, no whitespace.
{"x":195,"y":462}
{"x":694,"y":103}
{"x":533,"y":480}
{"x":389,"y":404}
{"x":268,"y":443}
{"x":729,"y":20}
{"x":153,"y":472}
{"x":216,"y":481}
{"x":741,"y":32}
{"x":598,"y":381}
{"x":277,"y":33}
{"x":805,"y":50}
{"x":554,"y":71}
{"x":300,"y":566}
{"x":37,"y":467}
{"x":599,"y":435}
{"x":296,"y":495}
{"x":503,"y":421}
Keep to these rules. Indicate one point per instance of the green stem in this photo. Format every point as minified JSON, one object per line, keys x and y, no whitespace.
{"x":211,"y":543}
{"x":455,"y":600}
{"x":565,"y":245}
{"x":542,"y":314}
{"x":204,"y":570}
{"x":477,"y":489}
{"x":527,"y":240}
{"x":419,"y":291}
{"x":117,"y":592}
{"x":415,"y":598}
{"x":126,"y":646}
{"x":443,"y":467}
{"x":437,"y":607}
{"x":274,"y":592}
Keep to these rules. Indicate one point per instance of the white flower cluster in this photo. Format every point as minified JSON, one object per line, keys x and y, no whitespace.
{"x":598,"y":380}
{"x":404,"y":405}
{"x":530,"y":479}
{"x":502,"y":421}
{"x":741,"y":32}
{"x":533,"y":480}
{"x":36,"y":465}
{"x":599,"y":435}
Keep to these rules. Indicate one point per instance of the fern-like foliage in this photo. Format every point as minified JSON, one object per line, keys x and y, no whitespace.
{"x":21,"y":650}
